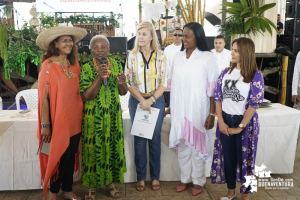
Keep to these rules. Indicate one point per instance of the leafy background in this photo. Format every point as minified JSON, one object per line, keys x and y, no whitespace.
{"x":19,"y":46}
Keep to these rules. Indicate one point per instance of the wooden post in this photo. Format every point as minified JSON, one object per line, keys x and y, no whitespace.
{"x":10,"y":21}
{"x":285,"y":64}
{"x":140,"y":11}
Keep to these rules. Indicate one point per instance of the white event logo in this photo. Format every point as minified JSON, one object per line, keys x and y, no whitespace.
{"x":265,"y":180}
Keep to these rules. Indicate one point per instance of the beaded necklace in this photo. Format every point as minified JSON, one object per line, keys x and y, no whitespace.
{"x":70,"y":74}
{"x":108,"y":66}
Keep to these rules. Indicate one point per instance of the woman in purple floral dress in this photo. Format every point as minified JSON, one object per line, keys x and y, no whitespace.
{"x":239,"y":91}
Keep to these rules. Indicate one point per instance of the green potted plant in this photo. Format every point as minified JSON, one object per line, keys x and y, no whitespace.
{"x":249,"y":19}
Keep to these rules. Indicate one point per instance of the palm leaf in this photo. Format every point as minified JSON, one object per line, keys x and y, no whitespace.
{"x":248,"y":25}
{"x":267,"y":26}
{"x":246,"y":12}
{"x":233,"y":5}
{"x":244,"y":3}
{"x":256,"y":22}
{"x":265,"y":7}
{"x":262,"y":25}
{"x":270,"y":23}
{"x":226,"y":11}
{"x":235,"y":11}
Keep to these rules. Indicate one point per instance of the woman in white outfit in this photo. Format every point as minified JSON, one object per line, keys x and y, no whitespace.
{"x":193,"y":77}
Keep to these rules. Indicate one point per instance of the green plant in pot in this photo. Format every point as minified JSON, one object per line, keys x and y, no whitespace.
{"x":245,"y":18}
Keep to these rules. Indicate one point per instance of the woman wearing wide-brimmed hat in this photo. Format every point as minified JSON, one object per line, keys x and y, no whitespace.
{"x":60,"y":109}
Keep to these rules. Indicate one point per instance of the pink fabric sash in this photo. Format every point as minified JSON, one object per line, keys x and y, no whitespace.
{"x":168,"y":89}
{"x":193,"y":137}
{"x":210,"y":88}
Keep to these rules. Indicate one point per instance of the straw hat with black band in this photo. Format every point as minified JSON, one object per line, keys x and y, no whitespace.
{"x":50,"y":34}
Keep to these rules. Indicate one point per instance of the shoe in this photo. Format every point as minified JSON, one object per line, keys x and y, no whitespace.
{"x":140,"y":188}
{"x":181,"y":187}
{"x":196,"y":191}
{"x":111,"y":188}
{"x":65,"y":196}
{"x":90,"y":194}
{"x":226,"y":198}
{"x":155,"y":187}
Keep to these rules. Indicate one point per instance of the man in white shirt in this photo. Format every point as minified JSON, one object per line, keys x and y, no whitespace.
{"x":296,"y":83}
{"x":170,"y":52}
{"x":223,"y":55}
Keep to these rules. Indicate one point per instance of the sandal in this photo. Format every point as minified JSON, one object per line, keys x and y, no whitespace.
{"x":140,"y":187}
{"x":65,"y":196}
{"x":155,"y":187}
{"x":113,"y":190}
{"x":90,"y":194}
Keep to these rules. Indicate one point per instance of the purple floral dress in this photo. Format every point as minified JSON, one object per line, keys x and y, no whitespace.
{"x":249,"y":138}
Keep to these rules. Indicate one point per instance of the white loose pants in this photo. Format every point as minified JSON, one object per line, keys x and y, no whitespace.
{"x":192,"y":165}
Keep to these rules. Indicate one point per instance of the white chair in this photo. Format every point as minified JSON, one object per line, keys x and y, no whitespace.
{"x":30,"y":96}
{"x":124,"y":101}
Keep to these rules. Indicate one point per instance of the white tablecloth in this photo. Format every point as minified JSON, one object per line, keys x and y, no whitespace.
{"x":19,"y":163}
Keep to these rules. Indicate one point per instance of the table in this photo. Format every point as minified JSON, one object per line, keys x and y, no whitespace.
{"x":19,"y":163}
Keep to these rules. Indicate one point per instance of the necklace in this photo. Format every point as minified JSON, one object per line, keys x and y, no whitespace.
{"x":108,"y":66}
{"x":70,"y":74}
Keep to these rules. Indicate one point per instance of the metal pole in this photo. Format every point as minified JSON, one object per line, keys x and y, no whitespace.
{"x":122,"y":21}
{"x":224,"y":14}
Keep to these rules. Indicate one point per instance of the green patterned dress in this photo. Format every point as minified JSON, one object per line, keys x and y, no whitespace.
{"x":103,"y":158}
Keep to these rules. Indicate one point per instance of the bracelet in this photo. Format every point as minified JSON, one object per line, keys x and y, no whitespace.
{"x":46,"y":125}
{"x":154,"y":99}
{"x":212,"y":114}
{"x":141,"y":99}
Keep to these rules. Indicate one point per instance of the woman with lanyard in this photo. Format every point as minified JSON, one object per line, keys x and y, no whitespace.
{"x":193,"y":79}
{"x":239,"y":92}
{"x":147,"y":79}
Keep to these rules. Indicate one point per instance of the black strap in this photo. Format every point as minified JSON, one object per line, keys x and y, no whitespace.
{"x":146,"y":65}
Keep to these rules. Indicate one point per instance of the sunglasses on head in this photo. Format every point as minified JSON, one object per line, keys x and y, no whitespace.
{"x":179,"y":35}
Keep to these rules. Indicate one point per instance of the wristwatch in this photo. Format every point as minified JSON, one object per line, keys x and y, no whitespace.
{"x":241,"y":126}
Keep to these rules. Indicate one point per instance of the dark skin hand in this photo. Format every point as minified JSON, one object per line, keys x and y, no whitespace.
{"x":93,"y":90}
{"x":295,"y":99}
{"x":122,"y":87}
{"x":210,"y":120}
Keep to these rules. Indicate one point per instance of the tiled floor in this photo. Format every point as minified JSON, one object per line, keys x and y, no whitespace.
{"x":167,"y":192}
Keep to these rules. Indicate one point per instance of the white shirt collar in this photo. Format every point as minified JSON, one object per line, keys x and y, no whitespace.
{"x":223,"y":52}
{"x":174,"y":46}
{"x":196,"y":51}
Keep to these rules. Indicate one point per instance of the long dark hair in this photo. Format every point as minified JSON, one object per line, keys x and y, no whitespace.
{"x":199,"y":34}
{"x":246,"y":49}
{"x":53,"y":51}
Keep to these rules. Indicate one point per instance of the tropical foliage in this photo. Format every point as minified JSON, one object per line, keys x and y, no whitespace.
{"x":50,"y":20}
{"x":246,"y":17}
{"x":19,"y":46}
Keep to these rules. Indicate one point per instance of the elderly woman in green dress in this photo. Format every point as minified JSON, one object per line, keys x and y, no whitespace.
{"x":103,"y":158}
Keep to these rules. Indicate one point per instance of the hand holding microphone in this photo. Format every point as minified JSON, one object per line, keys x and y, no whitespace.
{"x":103,"y":71}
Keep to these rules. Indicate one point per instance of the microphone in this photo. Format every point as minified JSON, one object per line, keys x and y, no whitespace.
{"x":103,"y":61}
